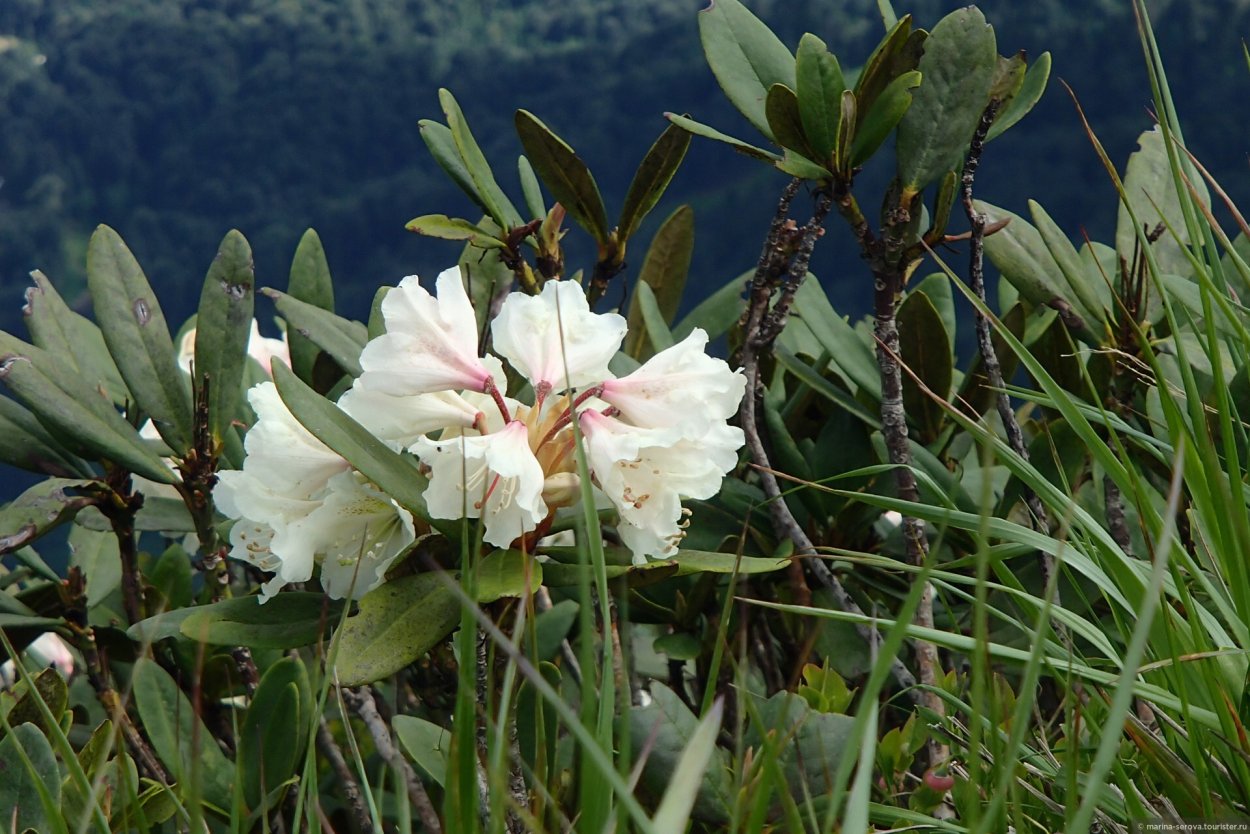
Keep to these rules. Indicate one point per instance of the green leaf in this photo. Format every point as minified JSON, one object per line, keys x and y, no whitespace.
{"x":180,"y":739}
{"x":716,"y":313}
{"x":957,"y":68}
{"x":26,"y":444}
{"x":275,"y":728}
{"x":160,"y":626}
{"x":781,"y":108}
{"x":377,"y":322}
{"x":159,"y":514}
{"x":310,"y":283}
{"x":886,"y":112}
{"x":668,"y":728}
{"x":42,"y":507}
{"x":342,"y":339}
{"x":398,"y":622}
{"x":700,"y":129}
{"x":171,"y":577}
{"x":1022,"y":257}
{"x":223,"y":326}
{"x":24,"y":788}
{"x":1025,"y":98}
{"x":442,"y":146}
{"x":49,"y":687}
{"x":704,"y":561}
{"x":426,"y":744}
{"x":496,"y":203}
{"x":745,"y":56}
{"x":847,"y":127}
{"x":947,"y":193}
{"x":897,"y":53}
{"x":453,"y":228}
{"x":797,"y":165}
{"x":816,"y":741}
{"x":820,"y":87}
{"x":392,"y":473}
{"x":565,"y":175}
{"x":664,"y":272}
{"x":287,"y":621}
{"x":507,"y":573}
{"x":73,"y":337}
{"x":97,"y":555}
{"x":138,"y":339}
{"x":1084,"y":293}
{"x":687,"y":778}
{"x":552,"y":626}
{"x":649,"y":309}
{"x":680,"y":645}
{"x":651,"y":179}
{"x":73,"y":412}
{"x":925,"y":348}
{"x":530,"y":189}
{"x":485,"y":276}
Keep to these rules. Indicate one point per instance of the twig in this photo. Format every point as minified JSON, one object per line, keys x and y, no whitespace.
{"x":771,"y":266}
{"x":993,"y":369}
{"x":362,"y":703}
{"x":351,"y":788}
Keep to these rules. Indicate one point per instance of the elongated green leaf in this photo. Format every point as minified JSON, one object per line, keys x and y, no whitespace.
{"x":497,"y":204}
{"x":957,"y":68}
{"x":781,"y":108}
{"x":26,"y":444}
{"x":898,"y":52}
{"x":340,"y":338}
{"x":649,"y":309}
{"x":507,"y":573}
{"x":223,"y":326}
{"x":76,"y":415}
{"x":565,"y":175}
{"x":73,"y":337}
{"x":398,"y":622}
{"x":797,"y":165}
{"x":310,"y":283}
{"x":699,"y":129}
{"x":21,"y":785}
{"x":395,"y":475}
{"x":97,"y":555}
{"x":716,"y":313}
{"x":275,"y":729}
{"x":530,"y":189}
{"x":138,"y":339}
{"x":426,"y":744}
{"x":159,"y":514}
{"x":287,"y":621}
{"x":1083,"y":292}
{"x":664,"y":271}
{"x":925,"y":348}
{"x":453,"y":228}
{"x":745,"y":56}
{"x":43,"y":507}
{"x":651,"y":179}
{"x":819,"y":87}
{"x":679,"y":799}
{"x":886,"y":112}
{"x":442,"y":146}
{"x":178,"y":736}
{"x":50,"y":687}
{"x":1025,"y":98}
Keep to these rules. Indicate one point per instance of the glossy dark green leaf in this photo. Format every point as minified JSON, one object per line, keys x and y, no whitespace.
{"x":745,"y":56}
{"x":957,"y":68}
{"x":699,"y":129}
{"x":1026,"y":97}
{"x":398,"y":622}
{"x":21,"y":785}
{"x":77,"y":415}
{"x":73,"y":337}
{"x":886,"y":112}
{"x":664,"y":272}
{"x":530,"y":189}
{"x":426,"y":743}
{"x":287,"y":621}
{"x":453,"y":228}
{"x":937,"y":286}
{"x":507,"y":573}
{"x":393,"y":473}
{"x":651,"y":179}
{"x":340,"y":338}
{"x":43,"y":507}
{"x":275,"y":729}
{"x":496,"y":203}
{"x":26,"y":444}
{"x":310,"y":283}
{"x":223,"y":326}
{"x":820,"y":87}
{"x":897,"y":53}
{"x":565,"y":175}
{"x":781,"y":108}
{"x":179,"y":737}
{"x":926,"y":351}
{"x":138,"y":339}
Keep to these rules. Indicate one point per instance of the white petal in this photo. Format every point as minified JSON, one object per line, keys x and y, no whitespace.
{"x":281,"y":453}
{"x":679,"y":386}
{"x":265,"y":350}
{"x":399,"y":421}
{"x":361,"y":531}
{"x":528,"y":333}
{"x":430,"y":343}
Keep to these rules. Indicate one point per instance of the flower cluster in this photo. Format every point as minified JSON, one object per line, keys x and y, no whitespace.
{"x":652,"y":437}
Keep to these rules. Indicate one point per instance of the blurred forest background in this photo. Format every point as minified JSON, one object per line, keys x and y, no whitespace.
{"x":175,"y":120}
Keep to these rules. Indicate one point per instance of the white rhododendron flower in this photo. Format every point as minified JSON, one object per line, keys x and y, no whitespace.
{"x":654,"y":437}
{"x":299,"y":504}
